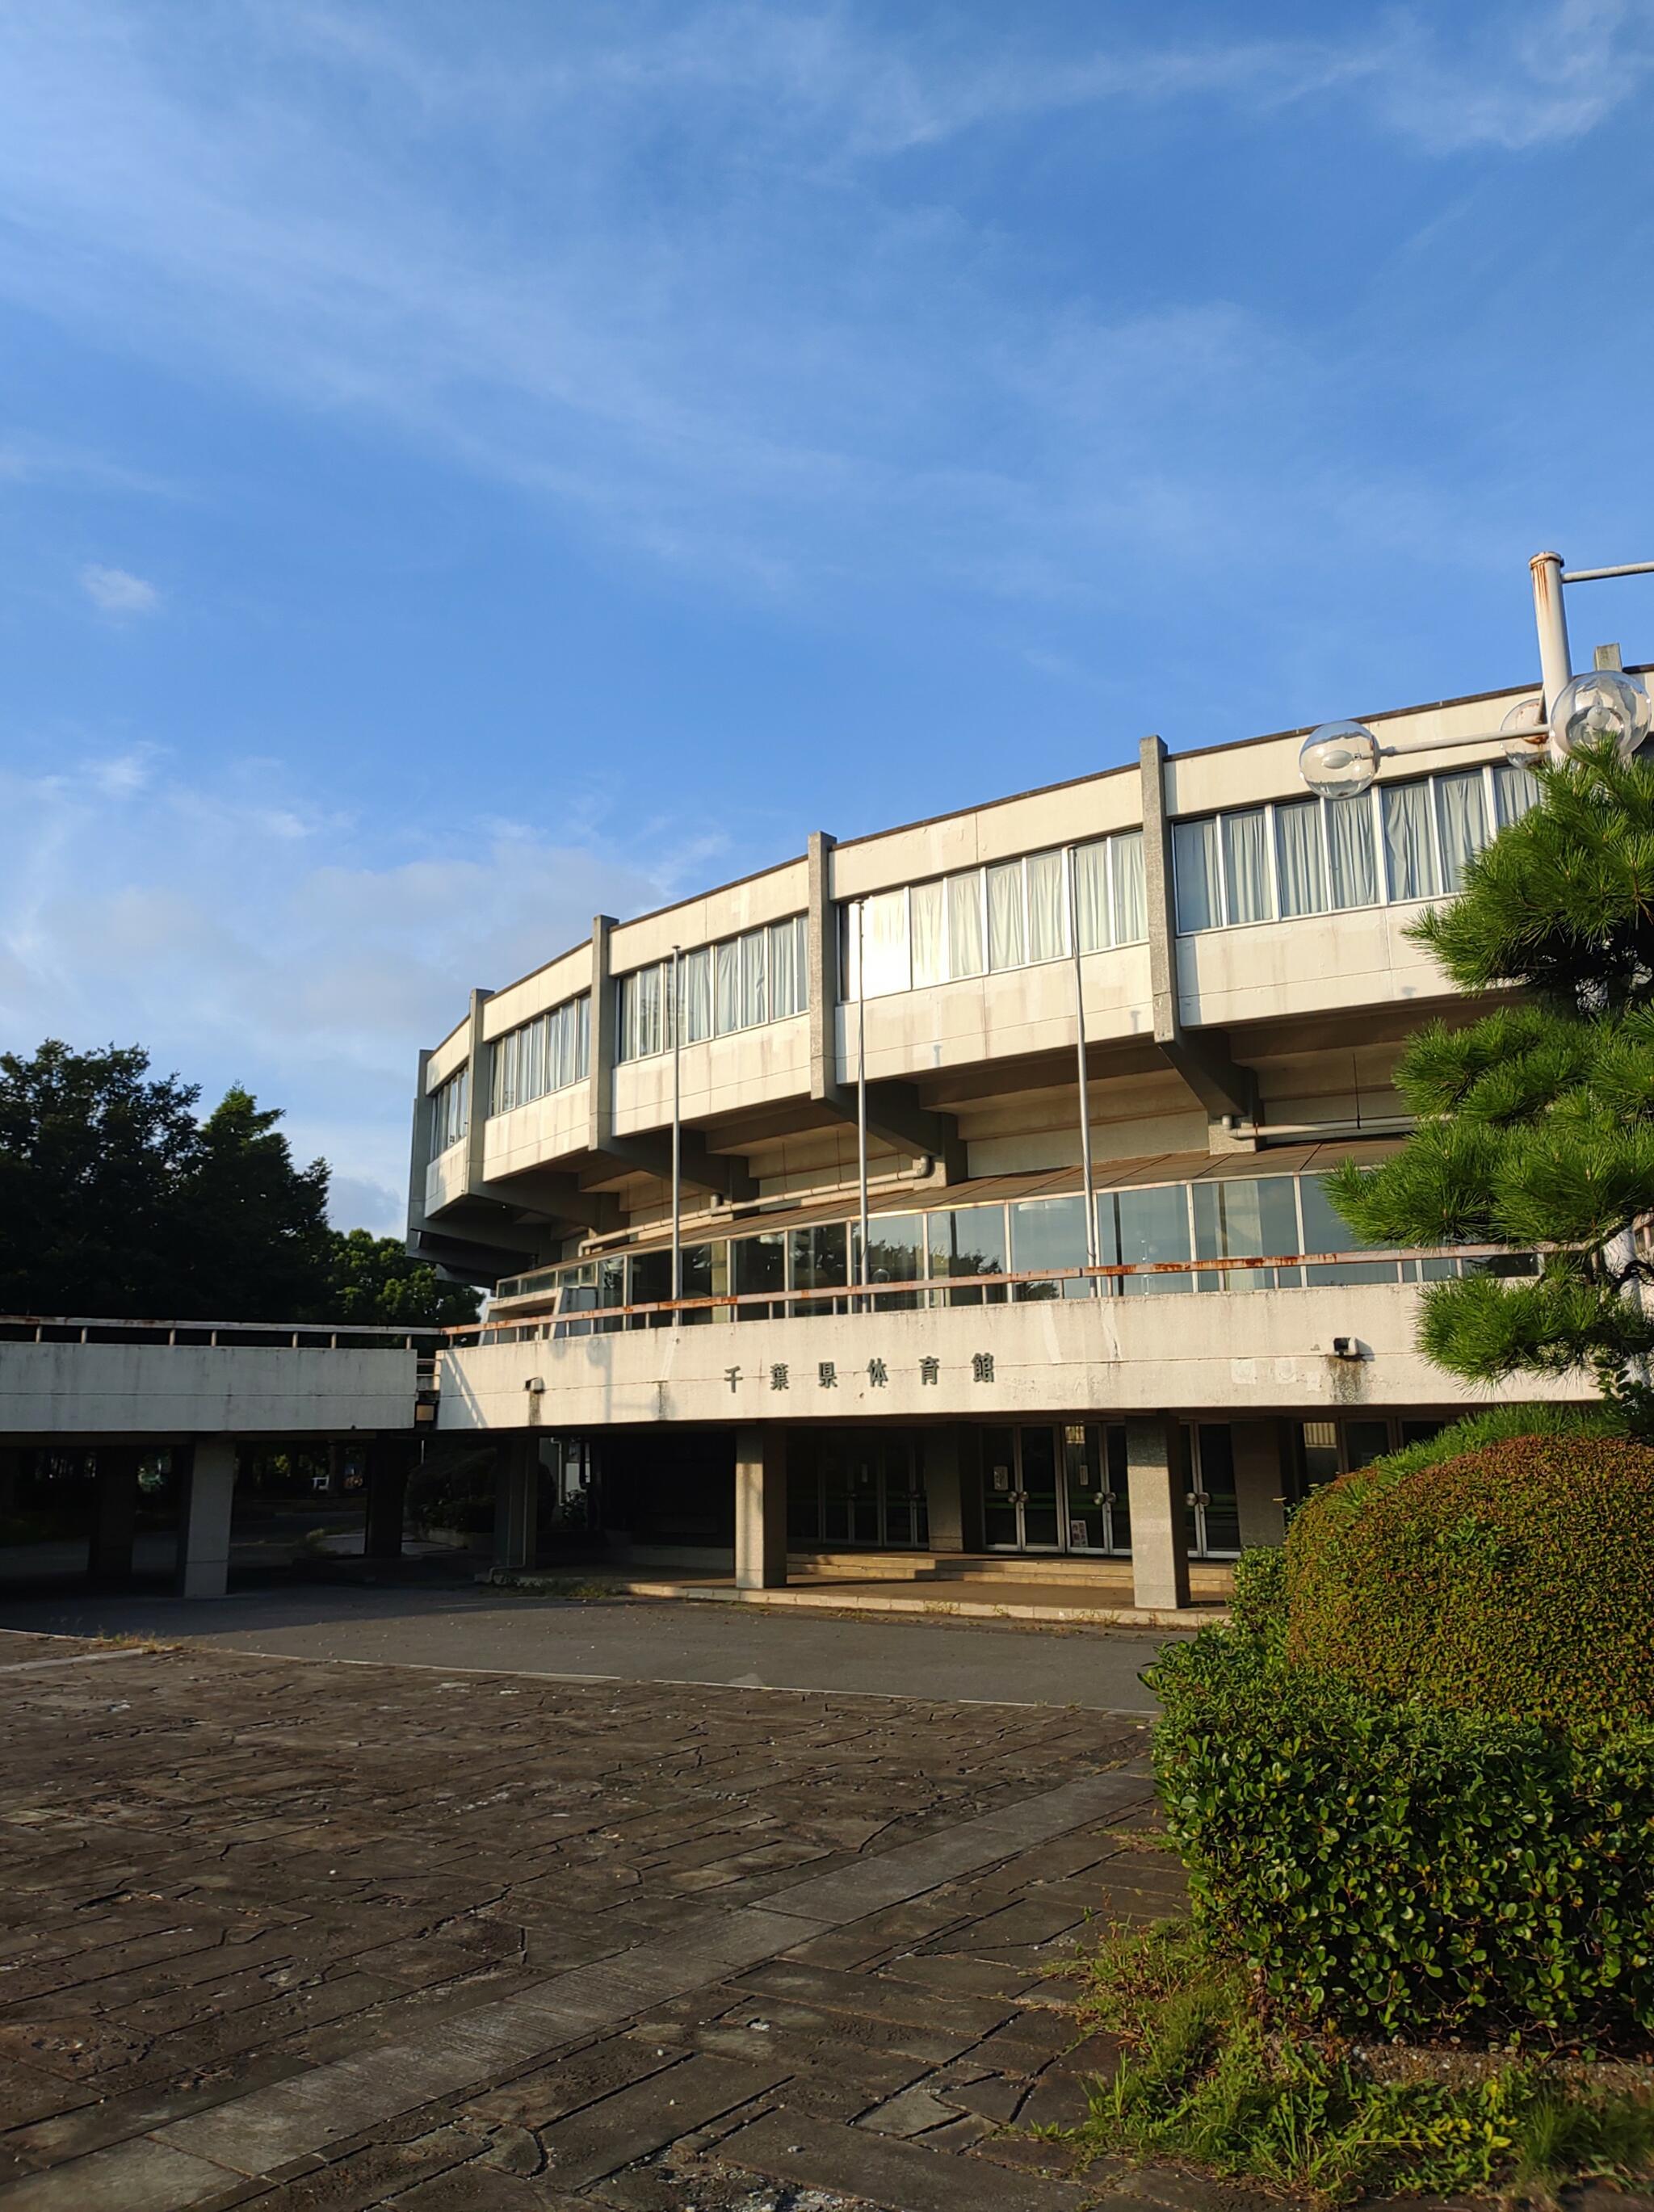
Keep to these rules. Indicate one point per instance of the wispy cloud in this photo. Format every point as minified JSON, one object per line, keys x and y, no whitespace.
{"x":767,"y":375}
{"x":117,"y":592}
{"x":230,"y":925}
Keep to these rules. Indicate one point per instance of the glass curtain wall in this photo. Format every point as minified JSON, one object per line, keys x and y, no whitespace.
{"x":1157,"y":1224}
{"x":1394,"y":842}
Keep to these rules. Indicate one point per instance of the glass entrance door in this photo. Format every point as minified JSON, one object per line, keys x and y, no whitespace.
{"x":1214,"y":1509}
{"x":1055,"y":1489}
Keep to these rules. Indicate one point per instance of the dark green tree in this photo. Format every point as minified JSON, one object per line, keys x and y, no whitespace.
{"x":375,"y":1280}
{"x":93,"y":1153}
{"x":254,"y":1224}
{"x":1535,"y":1124}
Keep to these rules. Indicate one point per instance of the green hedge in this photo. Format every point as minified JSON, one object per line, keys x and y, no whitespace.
{"x":1384,"y":1865}
{"x":1515,"y":1579}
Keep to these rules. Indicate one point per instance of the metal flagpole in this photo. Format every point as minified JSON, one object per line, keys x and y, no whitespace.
{"x":677,"y":1145}
{"x":1079,"y":1056}
{"x":861,"y":1088}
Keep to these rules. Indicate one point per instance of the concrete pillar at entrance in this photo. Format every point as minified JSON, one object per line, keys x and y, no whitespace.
{"x":114,"y":1513}
{"x":944,"y":1498}
{"x":516,"y":1501}
{"x":388,"y":1461}
{"x":760,"y":1509}
{"x":206,"y":1498}
{"x":1157,"y":1482}
{"x":1259,"y":1482}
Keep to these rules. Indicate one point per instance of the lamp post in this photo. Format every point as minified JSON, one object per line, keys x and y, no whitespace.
{"x":677,"y":1145}
{"x":861,"y":1306}
{"x":1340,"y":760}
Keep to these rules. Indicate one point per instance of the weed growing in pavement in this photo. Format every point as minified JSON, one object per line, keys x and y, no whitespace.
{"x":1202,"y":2077}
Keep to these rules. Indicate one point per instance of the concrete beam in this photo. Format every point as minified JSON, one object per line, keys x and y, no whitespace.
{"x":1158,"y":1483}
{"x":550,"y":1196}
{"x":205,"y":1510}
{"x":761,"y":1509}
{"x":1200,"y":1056}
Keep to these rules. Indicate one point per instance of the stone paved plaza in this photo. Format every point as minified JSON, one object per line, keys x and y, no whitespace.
{"x":313,"y":1935}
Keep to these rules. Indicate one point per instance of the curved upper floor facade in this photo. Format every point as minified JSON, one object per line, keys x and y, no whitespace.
{"x":1235,"y":949}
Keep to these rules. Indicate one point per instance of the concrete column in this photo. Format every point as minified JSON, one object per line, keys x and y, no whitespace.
{"x":761,"y":1509}
{"x":478,"y":1094}
{"x":389,"y":1459}
{"x":1259,"y":1482}
{"x":114,"y":1513}
{"x":943,"y":1495}
{"x":1157,"y":1476}
{"x":205,"y":1499}
{"x":821,"y":941}
{"x":516,"y":1501}
{"x":420,"y":1152}
{"x":600,"y":1083}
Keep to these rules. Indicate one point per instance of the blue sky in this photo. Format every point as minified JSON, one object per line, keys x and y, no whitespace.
{"x":463,"y":467}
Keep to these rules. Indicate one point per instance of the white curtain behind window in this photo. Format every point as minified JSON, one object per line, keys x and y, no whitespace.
{"x":1515,"y":789}
{"x":1246,"y":864}
{"x":1408,"y":847}
{"x":1008,"y":942}
{"x":924,"y":908}
{"x":1130,"y":905}
{"x":726,"y":985}
{"x":1048,"y":907}
{"x":884,"y":944}
{"x":531,"y":1073}
{"x":1352,"y":865}
{"x":696,"y":981}
{"x":754,"y":972}
{"x":1194,"y":852}
{"x":502,"y":1074}
{"x":1462,"y":812}
{"x":1298,"y":865}
{"x":583,"y":1044}
{"x":1091,"y":895}
{"x":785,"y":968}
{"x":562,"y":1033}
{"x":964,"y":924}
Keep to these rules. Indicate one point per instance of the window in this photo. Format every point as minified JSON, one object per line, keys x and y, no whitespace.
{"x":1304,"y":856}
{"x":1146,"y":1225}
{"x":1409,"y":847}
{"x":895,"y":1255}
{"x":969,"y":1240}
{"x":449,"y":1111}
{"x":547,"y":1054}
{"x":1200,"y":885}
{"x":1049,"y":1232}
{"x":738,"y":984}
{"x":1246,"y":1217}
{"x":1011,"y":913}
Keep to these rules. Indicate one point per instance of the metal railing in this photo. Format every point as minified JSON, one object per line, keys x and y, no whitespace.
{"x":937,"y":1292}
{"x":282,"y":1335}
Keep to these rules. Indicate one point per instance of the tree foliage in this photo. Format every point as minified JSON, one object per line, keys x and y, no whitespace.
{"x":1535,"y":1124}
{"x":117,"y":1200}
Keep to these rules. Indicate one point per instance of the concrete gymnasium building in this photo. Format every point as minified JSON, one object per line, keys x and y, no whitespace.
{"x":1098,"y":1045}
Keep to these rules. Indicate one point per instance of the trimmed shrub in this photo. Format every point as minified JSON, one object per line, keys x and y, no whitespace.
{"x":1385,"y":1866}
{"x":1518,"y":1579}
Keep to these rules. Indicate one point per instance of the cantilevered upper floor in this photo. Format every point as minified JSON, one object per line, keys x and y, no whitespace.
{"x":1236,"y":948}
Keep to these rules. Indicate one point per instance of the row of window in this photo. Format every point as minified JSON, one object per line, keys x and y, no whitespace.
{"x":1010,"y":914}
{"x":761,"y":976}
{"x":548,"y":1053}
{"x":1160,"y":1224}
{"x":1393,"y":842}
{"x":450,"y":1111}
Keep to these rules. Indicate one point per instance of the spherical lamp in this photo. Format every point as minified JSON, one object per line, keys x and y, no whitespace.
{"x":1523,"y":732}
{"x":1602,"y":706}
{"x":1339,"y":760}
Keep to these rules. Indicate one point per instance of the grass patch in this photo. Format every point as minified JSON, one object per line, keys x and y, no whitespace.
{"x":1203,"y":2079}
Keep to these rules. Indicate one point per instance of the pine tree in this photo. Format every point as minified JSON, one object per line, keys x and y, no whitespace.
{"x":1534,"y":1126}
